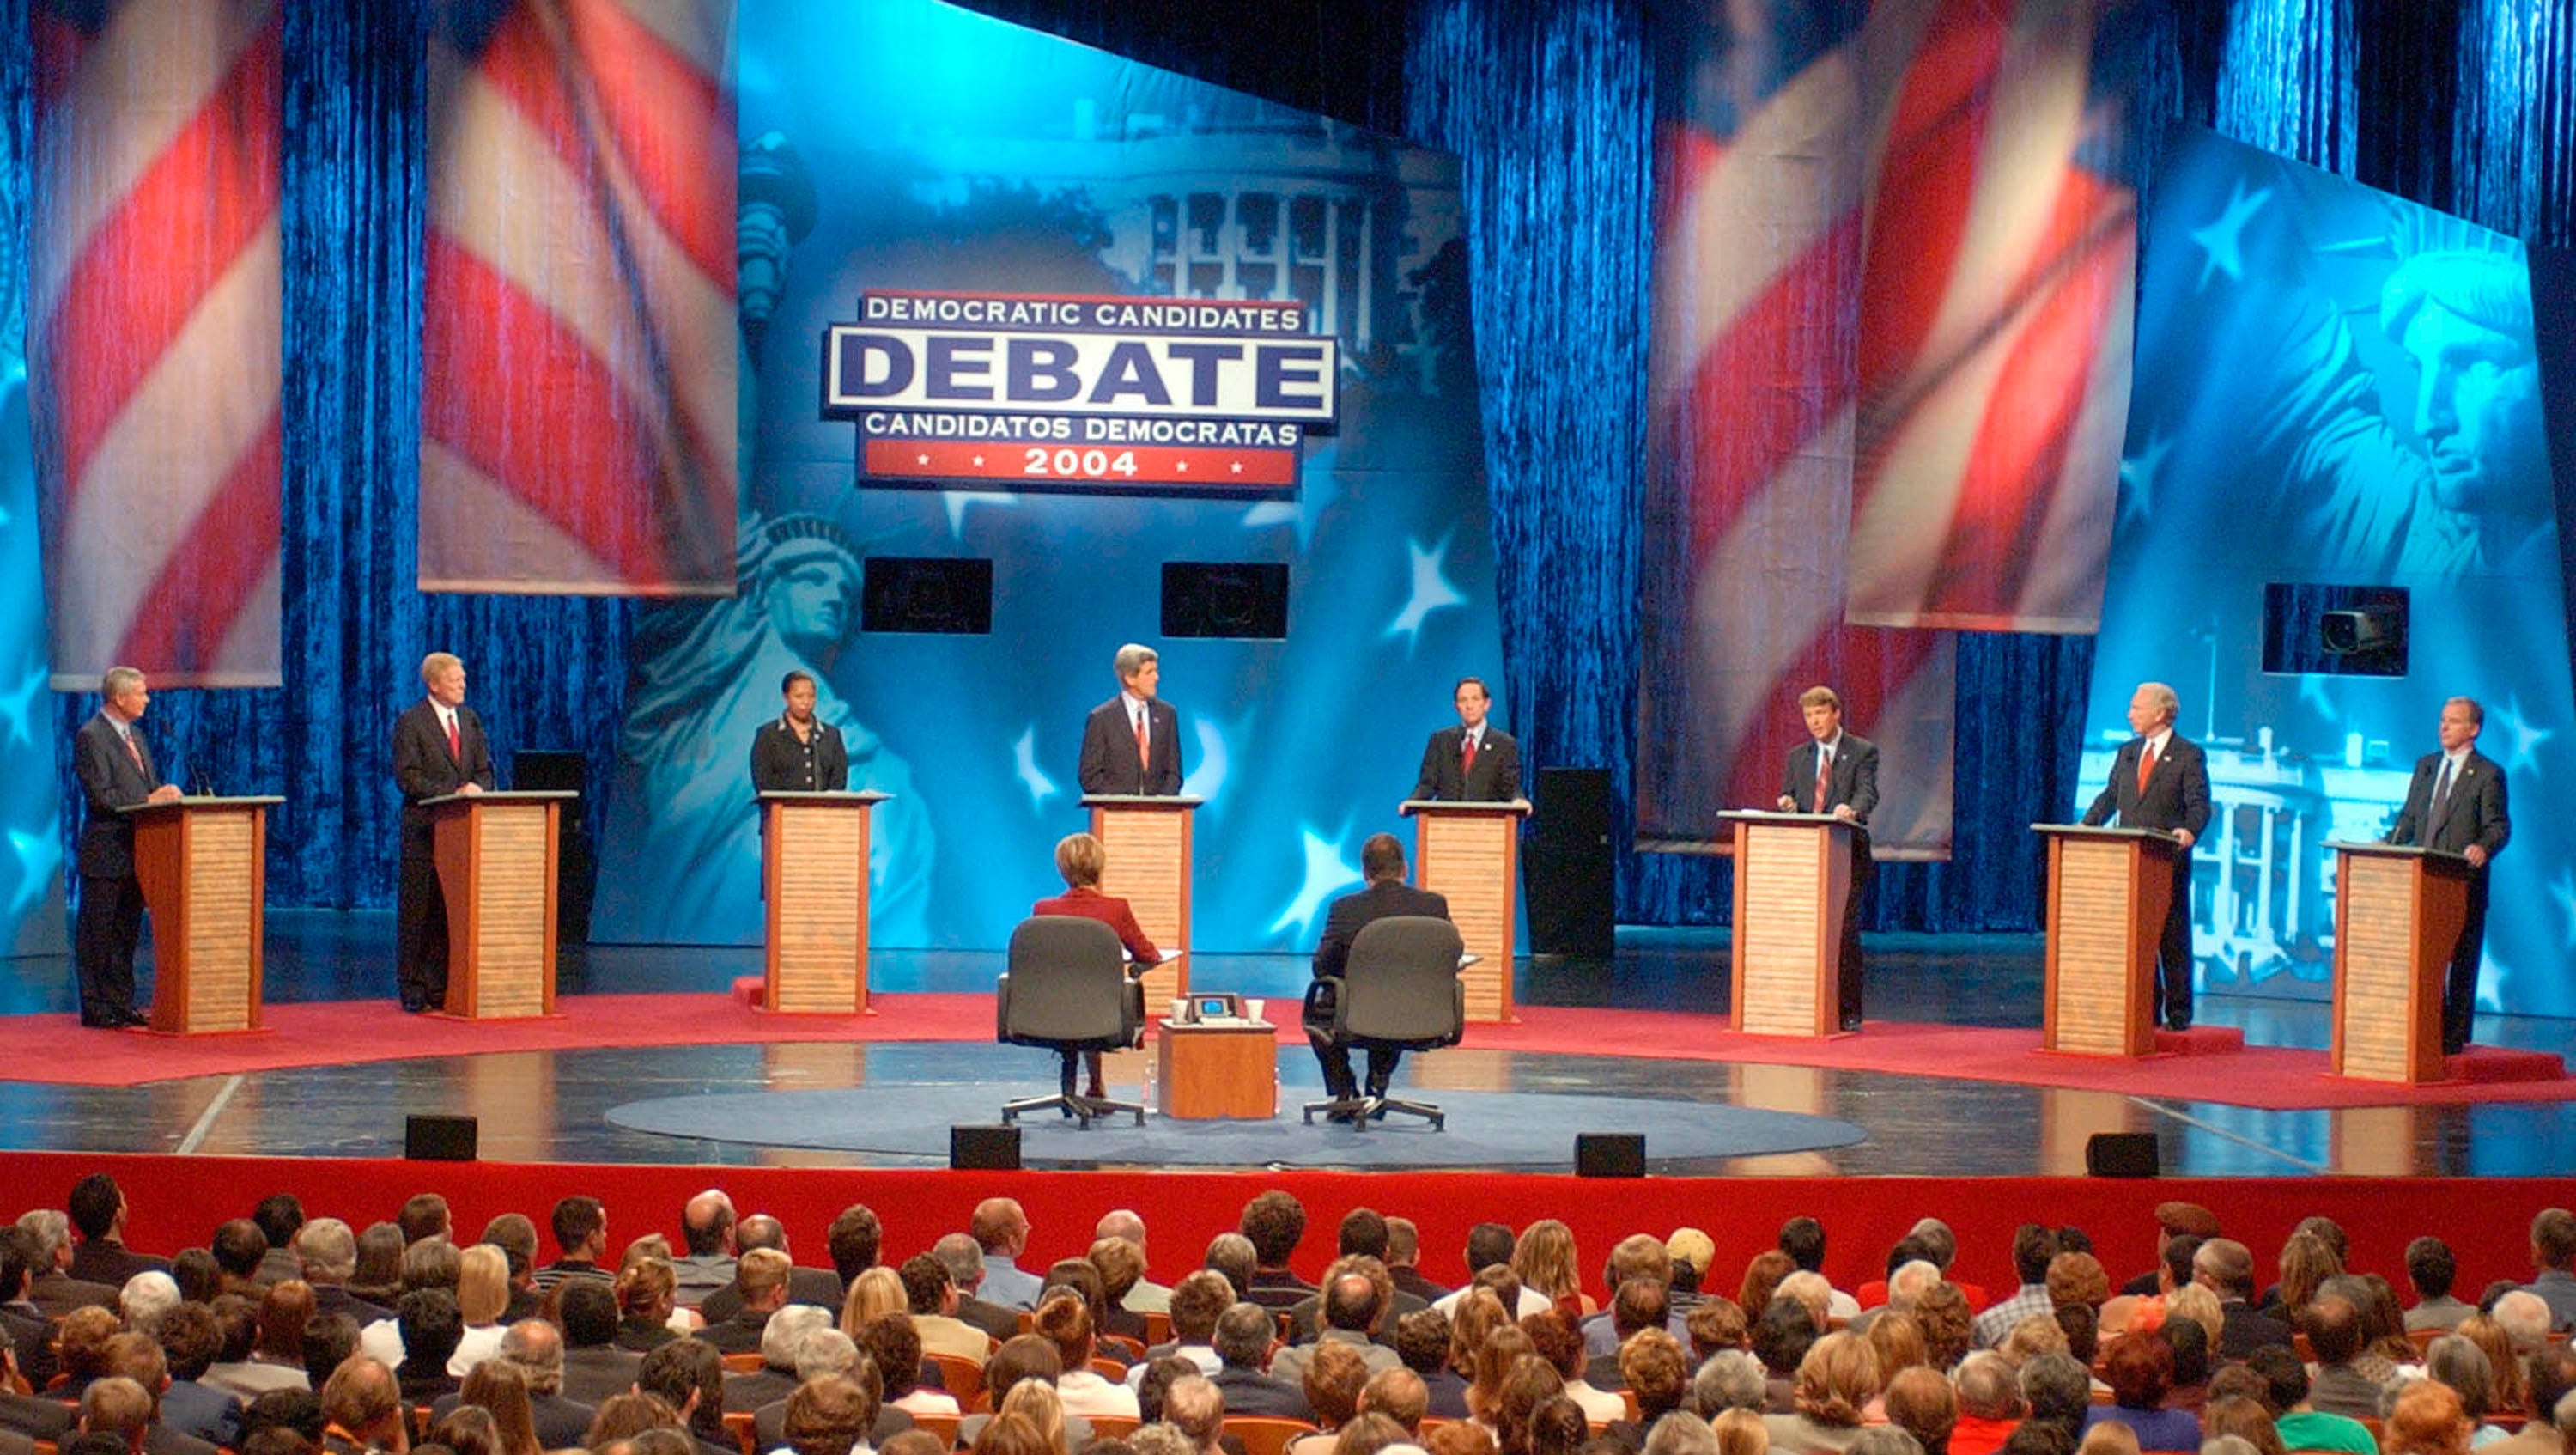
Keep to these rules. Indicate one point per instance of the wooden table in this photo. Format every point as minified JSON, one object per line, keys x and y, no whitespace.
{"x":1204,"y":1072}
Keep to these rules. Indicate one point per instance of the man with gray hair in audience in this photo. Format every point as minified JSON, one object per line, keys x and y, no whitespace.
{"x":782,"y":1345}
{"x":1911,"y":1280}
{"x":326,"y":1252}
{"x":1990,"y":1404}
{"x":1682,"y":1433}
{"x":534,"y":1349}
{"x":1196,"y":1408}
{"x":1729,"y":1379}
{"x":2524,"y":1317}
{"x":819,"y":1352}
{"x":963,"y":1257}
{"x":145,"y":1299}
{"x":50,"y":1285}
{"x":1243,"y":1336}
{"x":2057,"y":1387}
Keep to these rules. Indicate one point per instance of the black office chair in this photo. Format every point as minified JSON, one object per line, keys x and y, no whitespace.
{"x":1066,"y":988}
{"x":1400,"y":989}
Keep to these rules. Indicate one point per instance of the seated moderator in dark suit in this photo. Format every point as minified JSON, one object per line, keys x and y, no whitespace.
{"x":114,"y":766}
{"x":1382,"y":861}
{"x":798,"y":753}
{"x":2456,"y":805}
{"x":2160,"y":780}
{"x":1848,"y":791}
{"x":1132,"y":742}
{"x":1474,"y":762}
{"x":439,"y":749}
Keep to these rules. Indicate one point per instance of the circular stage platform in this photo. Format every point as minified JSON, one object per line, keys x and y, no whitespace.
{"x":1485,"y":1128}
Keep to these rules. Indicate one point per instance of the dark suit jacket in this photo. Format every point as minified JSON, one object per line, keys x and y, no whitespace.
{"x":1089,"y":903}
{"x":2474,"y":813}
{"x":422,"y":768}
{"x":591,"y":1375}
{"x":2177,"y":794}
{"x":108,"y":1261}
{"x":58,"y":1293}
{"x":32,"y":1335}
{"x":1251,"y":1392}
{"x":37,"y":1417}
{"x":2246,"y":1329}
{"x":335,"y":1298}
{"x":110,"y":779}
{"x":992,"y":1318}
{"x":1108,"y":762}
{"x":820,"y":1287}
{"x":737,"y":1335}
{"x":769,"y":1425}
{"x":1852,"y":778}
{"x":1353,"y":912}
{"x":1496,"y":778}
{"x":778,"y":760}
{"x":749,"y":1390}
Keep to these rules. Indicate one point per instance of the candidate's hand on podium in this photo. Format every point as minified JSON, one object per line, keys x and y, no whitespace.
{"x":2476,"y":854}
{"x":166,"y":793}
{"x":1788,"y":804}
{"x":2183,"y":837}
{"x":471,"y":788}
{"x":1844,"y":812}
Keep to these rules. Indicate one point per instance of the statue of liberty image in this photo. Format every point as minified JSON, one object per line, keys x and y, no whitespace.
{"x":681,"y":859}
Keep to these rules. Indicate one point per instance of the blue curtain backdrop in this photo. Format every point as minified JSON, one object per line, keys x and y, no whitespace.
{"x":2470,"y":108}
{"x":545,"y":672}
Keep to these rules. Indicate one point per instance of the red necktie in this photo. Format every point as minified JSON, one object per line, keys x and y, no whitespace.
{"x":1824,"y":779}
{"x":134,"y":750}
{"x":1144,"y":745}
{"x":1467,"y":757}
{"x":455,"y":744}
{"x":2146,"y":767}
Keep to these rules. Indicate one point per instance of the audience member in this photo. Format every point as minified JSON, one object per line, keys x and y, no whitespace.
{"x":1243,"y":1338}
{"x":2033,"y":1248}
{"x":2426,"y":1420}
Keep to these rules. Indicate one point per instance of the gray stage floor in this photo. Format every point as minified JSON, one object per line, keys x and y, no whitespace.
{"x":553,"y":1106}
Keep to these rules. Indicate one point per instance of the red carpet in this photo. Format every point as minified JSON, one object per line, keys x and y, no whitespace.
{"x":51,"y":1048}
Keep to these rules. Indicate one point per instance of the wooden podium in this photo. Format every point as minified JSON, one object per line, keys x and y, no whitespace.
{"x":202,"y":863}
{"x":2398,"y":912}
{"x":2108,"y":890}
{"x":1470,"y":854}
{"x":1207,"y":1071}
{"x":814,"y":882}
{"x":1792,"y":877}
{"x":496,"y":871}
{"x":1147,"y":840}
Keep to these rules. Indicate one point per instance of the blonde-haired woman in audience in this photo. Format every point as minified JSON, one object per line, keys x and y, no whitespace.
{"x":482,"y":1296}
{"x":1013,"y":1434}
{"x":1949,"y":1330}
{"x":2039,"y":1334}
{"x":2196,"y":1303}
{"x":498,"y":1386}
{"x":1493,"y":1363}
{"x":646,"y":1290}
{"x":1465,"y":1437}
{"x":872,"y":1296}
{"x":1741,"y":1432}
{"x":2512,"y":1390}
{"x":1471,"y":1322}
{"x":2427,"y":1420}
{"x":1065,"y":1321}
{"x":1035,"y":1401}
{"x":1544,"y":1261}
{"x":1834,"y":1385}
{"x":2307,"y":1261}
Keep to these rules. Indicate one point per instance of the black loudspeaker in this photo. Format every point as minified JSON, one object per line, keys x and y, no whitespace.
{"x":1243,"y":600}
{"x":438,"y":1138}
{"x":1609,"y":1154}
{"x":1568,"y":868}
{"x":927,"y":594}
{"x":576,"y":866}
{"x":984,"y":1149}
{"x":2122,"y":1154}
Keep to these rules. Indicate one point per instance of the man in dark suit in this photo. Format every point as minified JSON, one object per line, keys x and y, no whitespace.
{"x":1836,"y":772}
{"x":798,"y":753}
{"x":1387,"y":895}
{"x":98,"y":1212}
{"x":2160,"y":780}
{"x":2226,"y":1268}
{"x":1243,"y":1336}
{"x":114,"y":766}
{"x":1132,"y":742}
{"x":439,"y":749}
{"x":2456,"y":805}
{"x":1474,"y":762}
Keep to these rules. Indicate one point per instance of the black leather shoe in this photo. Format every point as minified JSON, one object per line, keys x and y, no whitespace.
{"x":1851,"y":1022}
{"x":135,"y":1018}
{"x":2178,"y":1022}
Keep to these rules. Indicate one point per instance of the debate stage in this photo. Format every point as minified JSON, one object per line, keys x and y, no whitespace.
{"x":1946,"y":1080}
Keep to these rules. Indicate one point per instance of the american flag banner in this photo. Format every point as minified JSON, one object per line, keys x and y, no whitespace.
{"x":1996,"y":288}
{"x":154,"y":336}
{"x":579,"y":350}
{"x":1752,"y":390}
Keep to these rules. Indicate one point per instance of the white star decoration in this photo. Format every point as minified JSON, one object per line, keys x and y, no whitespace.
{"x":2523,"y":736}
{"x":2138,"y":479}
{"x":1430,"y":592}
{"x":957,"y":500}
{"x":2221,"y":239}
{"x":37,"y":856}
{"x":1024,"y":762}
{"x":2562,"y":891}
{"x":1209,"y":775}
{"x":18,"y":710}
{"x":1326,"y":873}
